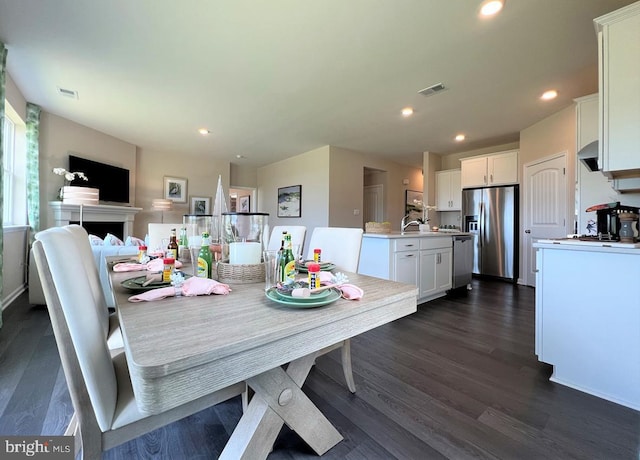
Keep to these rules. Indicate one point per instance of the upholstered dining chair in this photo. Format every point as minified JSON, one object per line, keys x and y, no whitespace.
{"x":341,"y":247}
{"x":109,"y":321}
{"x":106,"y":413}
{"x":297,"y":232}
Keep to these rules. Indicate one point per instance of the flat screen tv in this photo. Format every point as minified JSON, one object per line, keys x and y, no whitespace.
{"x":112,"y":181}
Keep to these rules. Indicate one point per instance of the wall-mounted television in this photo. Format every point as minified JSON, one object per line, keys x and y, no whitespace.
{"x":112,"y":181}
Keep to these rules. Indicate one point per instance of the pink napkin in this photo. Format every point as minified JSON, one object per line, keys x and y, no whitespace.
{"x":191,"y":287}
{"x":349,"y":291}
{"x":156,"y":265}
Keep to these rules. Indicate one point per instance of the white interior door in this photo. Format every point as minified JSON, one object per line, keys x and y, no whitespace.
{"x":544,"y":207}
{"x":373,"y":203}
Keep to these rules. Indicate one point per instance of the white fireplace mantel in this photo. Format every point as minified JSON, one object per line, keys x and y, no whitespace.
{"x":63,"y":214}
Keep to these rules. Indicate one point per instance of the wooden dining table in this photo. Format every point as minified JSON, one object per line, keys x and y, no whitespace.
{"x":181,"y":348}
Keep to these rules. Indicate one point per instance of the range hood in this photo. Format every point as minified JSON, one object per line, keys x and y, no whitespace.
{"x":588,"y":155}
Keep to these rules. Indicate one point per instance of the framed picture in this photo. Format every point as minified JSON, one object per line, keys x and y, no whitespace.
{"x":290,"y":201}
{"x":175,"y":189}
{"x":233,"y":204}
{"x":413,"y":204}
{"x":200,"y":205}
{"x":244,"y":203}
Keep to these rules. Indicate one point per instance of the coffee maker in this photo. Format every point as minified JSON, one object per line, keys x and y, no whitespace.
{"x":609,"y":219}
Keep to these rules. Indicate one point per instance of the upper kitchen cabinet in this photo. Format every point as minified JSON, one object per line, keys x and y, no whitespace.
{"x":448,"y":190}
{"x":619,"y":66}
{"x":487,"y":170}
{"x":587,"y":120}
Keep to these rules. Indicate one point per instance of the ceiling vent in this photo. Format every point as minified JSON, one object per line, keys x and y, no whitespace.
{"x":431,"y":90}
{"x":68,"y":93}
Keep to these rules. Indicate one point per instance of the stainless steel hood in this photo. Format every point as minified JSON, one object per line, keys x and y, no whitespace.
{"x":589,"y":156}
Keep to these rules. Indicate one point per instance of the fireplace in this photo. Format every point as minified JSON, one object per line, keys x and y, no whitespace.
{"x":98,"y":220}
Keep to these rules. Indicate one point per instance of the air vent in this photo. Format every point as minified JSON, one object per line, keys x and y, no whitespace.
{"x":431,"y":90}
{"x":68,"y":93}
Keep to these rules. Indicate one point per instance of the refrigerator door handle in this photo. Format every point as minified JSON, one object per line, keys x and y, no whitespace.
{"x":481,"y":229}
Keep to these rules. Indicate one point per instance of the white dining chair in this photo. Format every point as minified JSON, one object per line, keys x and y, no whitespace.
{"x":109,"y":321}
{"x":106,"y":413}
{"x":297,"y":232}
{"x":341,"y":247}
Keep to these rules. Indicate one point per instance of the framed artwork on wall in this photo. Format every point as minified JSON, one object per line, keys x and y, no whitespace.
{"x":290,"y":201}
{"x":413,"y":204}
{"x":175,"y":189}
{"x":200,"y":205}
{"x":244,"y":203}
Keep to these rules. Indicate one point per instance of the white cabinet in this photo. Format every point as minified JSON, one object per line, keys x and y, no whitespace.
{"x":423,"y":261}
{"x":448,"y":190}
{"x":592,"y":340}
{"x":496,"y":169}
{"x":619,"y":66}
{"x":405,"y":261}
{"x":435,"y":266}
{"x":586,"y":120}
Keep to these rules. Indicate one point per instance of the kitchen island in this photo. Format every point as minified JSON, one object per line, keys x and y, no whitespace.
{"x":424,"y":259}
{"x":588,"y":316}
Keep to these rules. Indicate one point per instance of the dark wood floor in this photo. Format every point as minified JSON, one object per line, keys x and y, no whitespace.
{"x":456,"y":380}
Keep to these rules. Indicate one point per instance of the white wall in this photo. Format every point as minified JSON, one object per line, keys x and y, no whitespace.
{"x":59,"y":137}
{"x":311,"y":171}
{"x":202,"y":180}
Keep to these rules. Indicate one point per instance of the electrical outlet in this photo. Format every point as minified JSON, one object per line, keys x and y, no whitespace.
{"x":356,"y":212}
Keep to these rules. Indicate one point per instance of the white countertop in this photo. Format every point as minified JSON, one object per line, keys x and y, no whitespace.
{"x":415,"y":234}
{"x":596,"y":246}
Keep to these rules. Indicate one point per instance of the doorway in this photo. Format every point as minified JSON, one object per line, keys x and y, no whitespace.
{"x":544,"y":207}
{"x":373,"y":195}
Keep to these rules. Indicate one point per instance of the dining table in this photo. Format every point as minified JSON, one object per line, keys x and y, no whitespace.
{"x":181,"y":348}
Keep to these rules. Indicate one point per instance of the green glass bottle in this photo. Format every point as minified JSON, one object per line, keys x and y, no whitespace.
{"x":205,"y":258}
{"x":288,"y":262}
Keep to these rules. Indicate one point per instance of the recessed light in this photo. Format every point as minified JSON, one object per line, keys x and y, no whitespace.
{"x":548,"y":95}
{"x":204,"y":131}
{"x":407,"y":112}
{"x":240,"y":156}
{"x":460,"y":137}
{"x":491,"y":7}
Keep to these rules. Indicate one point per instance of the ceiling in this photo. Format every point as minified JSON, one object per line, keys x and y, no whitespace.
{"x":271,"y":80}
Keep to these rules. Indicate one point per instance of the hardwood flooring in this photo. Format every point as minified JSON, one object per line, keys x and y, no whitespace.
{"x":457,"y":380}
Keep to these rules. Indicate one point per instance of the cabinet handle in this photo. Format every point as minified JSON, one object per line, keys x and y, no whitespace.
{"x":491,"y":177}
{"x":439,"y":258}
{"x":484,"y":178}
{"x":409,"y":255}
{"x":408,"y":245}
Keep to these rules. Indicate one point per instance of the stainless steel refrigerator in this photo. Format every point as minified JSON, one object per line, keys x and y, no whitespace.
{"x":491,"y":216}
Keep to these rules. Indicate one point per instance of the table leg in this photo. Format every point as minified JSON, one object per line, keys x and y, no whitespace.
{"x":278,"y":399}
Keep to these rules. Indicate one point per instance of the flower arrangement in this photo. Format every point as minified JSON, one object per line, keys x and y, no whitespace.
{"x":69,"y":176}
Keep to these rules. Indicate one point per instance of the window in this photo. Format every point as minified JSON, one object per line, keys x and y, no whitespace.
{"x":14,"y":169}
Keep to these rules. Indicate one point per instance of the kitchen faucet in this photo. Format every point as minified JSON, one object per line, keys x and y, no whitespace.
{"x":404,"y":225}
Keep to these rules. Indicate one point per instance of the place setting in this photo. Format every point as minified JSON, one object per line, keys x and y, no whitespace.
{"x":319,"y":288}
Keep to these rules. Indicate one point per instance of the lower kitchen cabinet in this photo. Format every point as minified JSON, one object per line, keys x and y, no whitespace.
{"x":435,"y":269}
{"x":588,"y":329}
{"x":425,"y":261}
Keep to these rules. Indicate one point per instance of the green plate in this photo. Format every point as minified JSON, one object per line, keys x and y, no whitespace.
{"x":334,"y":294}
{"x":135,"y":284}
{"x":312,"y":298}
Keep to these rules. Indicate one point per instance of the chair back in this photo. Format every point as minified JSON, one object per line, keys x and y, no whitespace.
{"x":77,"y":327}
{"x":297,"y":232}
{"x":81,"y":240}
{"x":340,"y":246}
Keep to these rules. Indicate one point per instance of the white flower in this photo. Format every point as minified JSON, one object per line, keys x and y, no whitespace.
{"x":68,"y":175}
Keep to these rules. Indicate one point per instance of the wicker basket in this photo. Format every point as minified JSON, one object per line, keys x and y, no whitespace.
{"x":377,"y":227}
{"x":240,"y":273}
